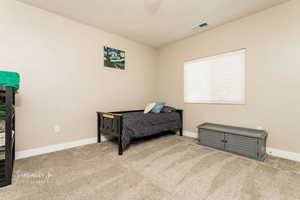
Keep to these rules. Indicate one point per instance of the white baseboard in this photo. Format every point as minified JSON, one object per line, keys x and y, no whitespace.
{"x":190,"y":134}
{"x":271,"y":151}
{"x":283,"y":154}
{"x":68,"y":145}
{"x":53,"y":148}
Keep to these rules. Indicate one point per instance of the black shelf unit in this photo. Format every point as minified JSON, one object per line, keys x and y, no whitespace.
{"x":7,"y":152}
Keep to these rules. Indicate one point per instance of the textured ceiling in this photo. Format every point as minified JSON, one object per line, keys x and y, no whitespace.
{"x":153,"y":22}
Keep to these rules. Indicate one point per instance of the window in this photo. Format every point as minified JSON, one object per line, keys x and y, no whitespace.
{"x":216,"y":79}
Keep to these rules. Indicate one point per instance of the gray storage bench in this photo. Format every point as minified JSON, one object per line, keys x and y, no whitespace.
{"x":242,"y":141}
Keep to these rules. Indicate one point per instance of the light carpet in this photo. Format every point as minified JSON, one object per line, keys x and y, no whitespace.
{"x":163,"y":168}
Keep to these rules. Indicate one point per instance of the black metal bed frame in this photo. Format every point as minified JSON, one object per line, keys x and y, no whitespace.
{"x":6,"y":165}
{"x":115,"y":127}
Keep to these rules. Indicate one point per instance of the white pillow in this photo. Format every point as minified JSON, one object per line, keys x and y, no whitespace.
{"x":149,"y":107}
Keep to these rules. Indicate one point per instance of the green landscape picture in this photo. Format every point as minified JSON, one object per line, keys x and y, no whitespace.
{"x":114,"y":58}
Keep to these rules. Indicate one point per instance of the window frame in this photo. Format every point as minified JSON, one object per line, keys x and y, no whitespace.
{"x":221,"y":102}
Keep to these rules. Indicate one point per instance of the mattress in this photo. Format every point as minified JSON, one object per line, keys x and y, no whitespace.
{"x":138,"y":124}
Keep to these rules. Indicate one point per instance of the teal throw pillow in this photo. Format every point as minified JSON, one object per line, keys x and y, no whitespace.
{"x":158,"y":107}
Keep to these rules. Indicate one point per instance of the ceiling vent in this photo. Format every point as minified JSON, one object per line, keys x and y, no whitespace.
{"x":203,"y":25}
{"x":200,"y":26}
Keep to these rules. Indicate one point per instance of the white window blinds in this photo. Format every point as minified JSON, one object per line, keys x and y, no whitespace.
{"x":216,"y":79}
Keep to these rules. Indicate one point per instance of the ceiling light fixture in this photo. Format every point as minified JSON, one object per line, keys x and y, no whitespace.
{"x":152,"y":6}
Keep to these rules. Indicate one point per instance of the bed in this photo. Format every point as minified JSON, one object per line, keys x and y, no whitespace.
{"x":129,"y":125}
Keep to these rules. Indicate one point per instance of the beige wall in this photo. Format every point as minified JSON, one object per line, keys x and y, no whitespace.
{"x":64,"y":82}
{"x":63,"y":78}
{"x":272,"y":39}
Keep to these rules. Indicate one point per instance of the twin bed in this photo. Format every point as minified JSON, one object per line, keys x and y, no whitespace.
{"x":128,"y":125}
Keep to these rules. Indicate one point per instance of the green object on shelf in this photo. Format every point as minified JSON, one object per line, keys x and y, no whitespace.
{"x":2,"y":107}
{"x":2,"y":110}
{"x":2,"y":113}
{"x":10,"y":79}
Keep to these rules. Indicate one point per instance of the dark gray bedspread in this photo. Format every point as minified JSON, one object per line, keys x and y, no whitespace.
{"x":138,"y":124}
